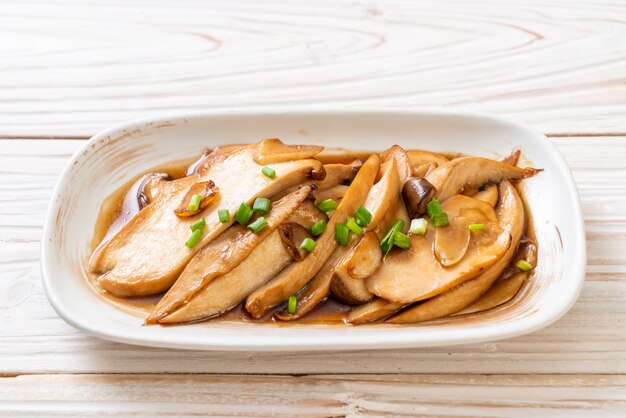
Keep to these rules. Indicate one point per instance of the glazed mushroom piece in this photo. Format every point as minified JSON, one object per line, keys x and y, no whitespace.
{"x":270,"y":232}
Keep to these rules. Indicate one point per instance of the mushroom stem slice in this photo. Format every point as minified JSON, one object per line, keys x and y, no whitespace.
{"x":452,"y":241}
{"x":207,"y":190}
{"x":222,"y":255}
{"x":512,"y":157}
{"x":500,"y":293}
{"x":228,"y":290}
{"x":474,"y":172}
{"x":148,"y":253}
{"x":376,"y":310}
{"x":420,"y":158}
{"x":489,"y":194}
{"x":510,"y":213}
{"x":275,"y":151}
{"x":366,"y":257}
{"x":296,"y":276}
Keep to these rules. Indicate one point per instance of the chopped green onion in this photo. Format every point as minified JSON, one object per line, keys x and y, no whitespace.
{"x":387,"y":243}
{"x":434,"y":208}
{"x":524,"y":265}
{"x":223,"y":215}
{"x":440,"y":219}
{"x":318,"y":228}
{"x":418,"y":226}
{"x":292,"y":305}
{"x":199,"y":224}
{"x":258,"y":225}
{"x":194,"y":238}
{"x":269,"y":172}
{"x":342,"y":233}
{"x":262,"y":205}
{"x":244,"y":213}
{"x":307,"y":244}
{"x":194,"y":202}
{"x":354,"y":227}
{"x":401,"y":240}
{"x":475,"y":227}
{"x":327,"y":205}
{"x":363,"y":216}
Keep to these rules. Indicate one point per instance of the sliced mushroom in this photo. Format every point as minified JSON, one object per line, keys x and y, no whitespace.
{"x":316,"y":291}
{"x":148,"y":253}
{"x":489,"y":194}
{"x":222,"y":255}
{"x":336,"y":175}
{"x":423,"y":170}
{"x":307,"y":214}
{"x":207,"y":190}
{"x":227,"y":291}
{"x":376,"y":310}
{"x":512,"y":157}
{"x":292,"y":235}
{"x":348,"y":289}
{"x":294,"y":277}
{"x":510,"y":213}
{"x":501,"y":292}
{"x":417,"y":193}
{"x":418,"y":158}
{"x":274,"y":150}
{"x":451,"y":178}
{"x":365,"y":258}
{"x":452,"y":241}
{"x":402,"y":160}
{"x":410,"y":276}
{"x":336,"y":193}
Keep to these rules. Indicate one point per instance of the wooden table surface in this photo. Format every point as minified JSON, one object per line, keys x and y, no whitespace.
{"x":69,"y":68}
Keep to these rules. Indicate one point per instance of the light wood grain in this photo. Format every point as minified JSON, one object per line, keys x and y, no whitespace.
{"x":590,"y":339}
{"x":76,"y":67}
{"x":316,"y":396}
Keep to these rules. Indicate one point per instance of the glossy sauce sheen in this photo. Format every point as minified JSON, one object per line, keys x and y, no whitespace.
{"x":124,"y":203}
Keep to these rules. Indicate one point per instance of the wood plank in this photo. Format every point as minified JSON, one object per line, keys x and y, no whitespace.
{"x":590,"y":339}
{"x":315,"y":396}
{"x":79,"y":66}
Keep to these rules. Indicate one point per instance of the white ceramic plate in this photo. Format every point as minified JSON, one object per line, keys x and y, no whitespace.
{"x":114,"y":156}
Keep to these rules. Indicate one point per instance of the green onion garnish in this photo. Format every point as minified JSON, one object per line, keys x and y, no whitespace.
{"x":194,"y":238}
{"x":199,"y":224}
{"x":258,"y":225}
{"x":262,"y":205}
{"x":269,"y":172}
{"x":354,"y":226}
{"x":475,"y":227}
{"x":292,"y":304}
{"x":327,"y":205}
{"x":434,"y":208}
{"x":307,"y":244}
{"x":401,"y":240}
{"x":441,"y":219}
{"x":244,"y":213}
{"x":363,"y":216}
{"x":418,"y":226}
{"x":318,"y":228}
{"x":342,"y":233}
{"x":223,"y":215}
{"x":387,"y":243}
{"x":194,"y":202}
{"x":524,"y":265}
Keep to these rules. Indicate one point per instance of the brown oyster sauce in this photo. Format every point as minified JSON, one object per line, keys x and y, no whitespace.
{"x":127,"y":201}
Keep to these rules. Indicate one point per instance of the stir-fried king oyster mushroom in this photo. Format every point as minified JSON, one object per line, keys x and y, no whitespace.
{"x":510,"y":213}
{"x":308,"y":231}
{"x":146,"y":256}
{"x":294,"y":277}
{"x":223,"y":254}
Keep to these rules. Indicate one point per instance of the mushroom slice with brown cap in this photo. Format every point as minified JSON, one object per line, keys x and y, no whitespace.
{"x":411,"y":275}
{"x":207,"y":190}
{"x":402,"y":160}
{"x":148,"y":253}
{"x":224,"y":254}
{"x":273,"y":150}
{"x":474,"y":172}
{"x":510,"y":214}
{"x":296,"y":276}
